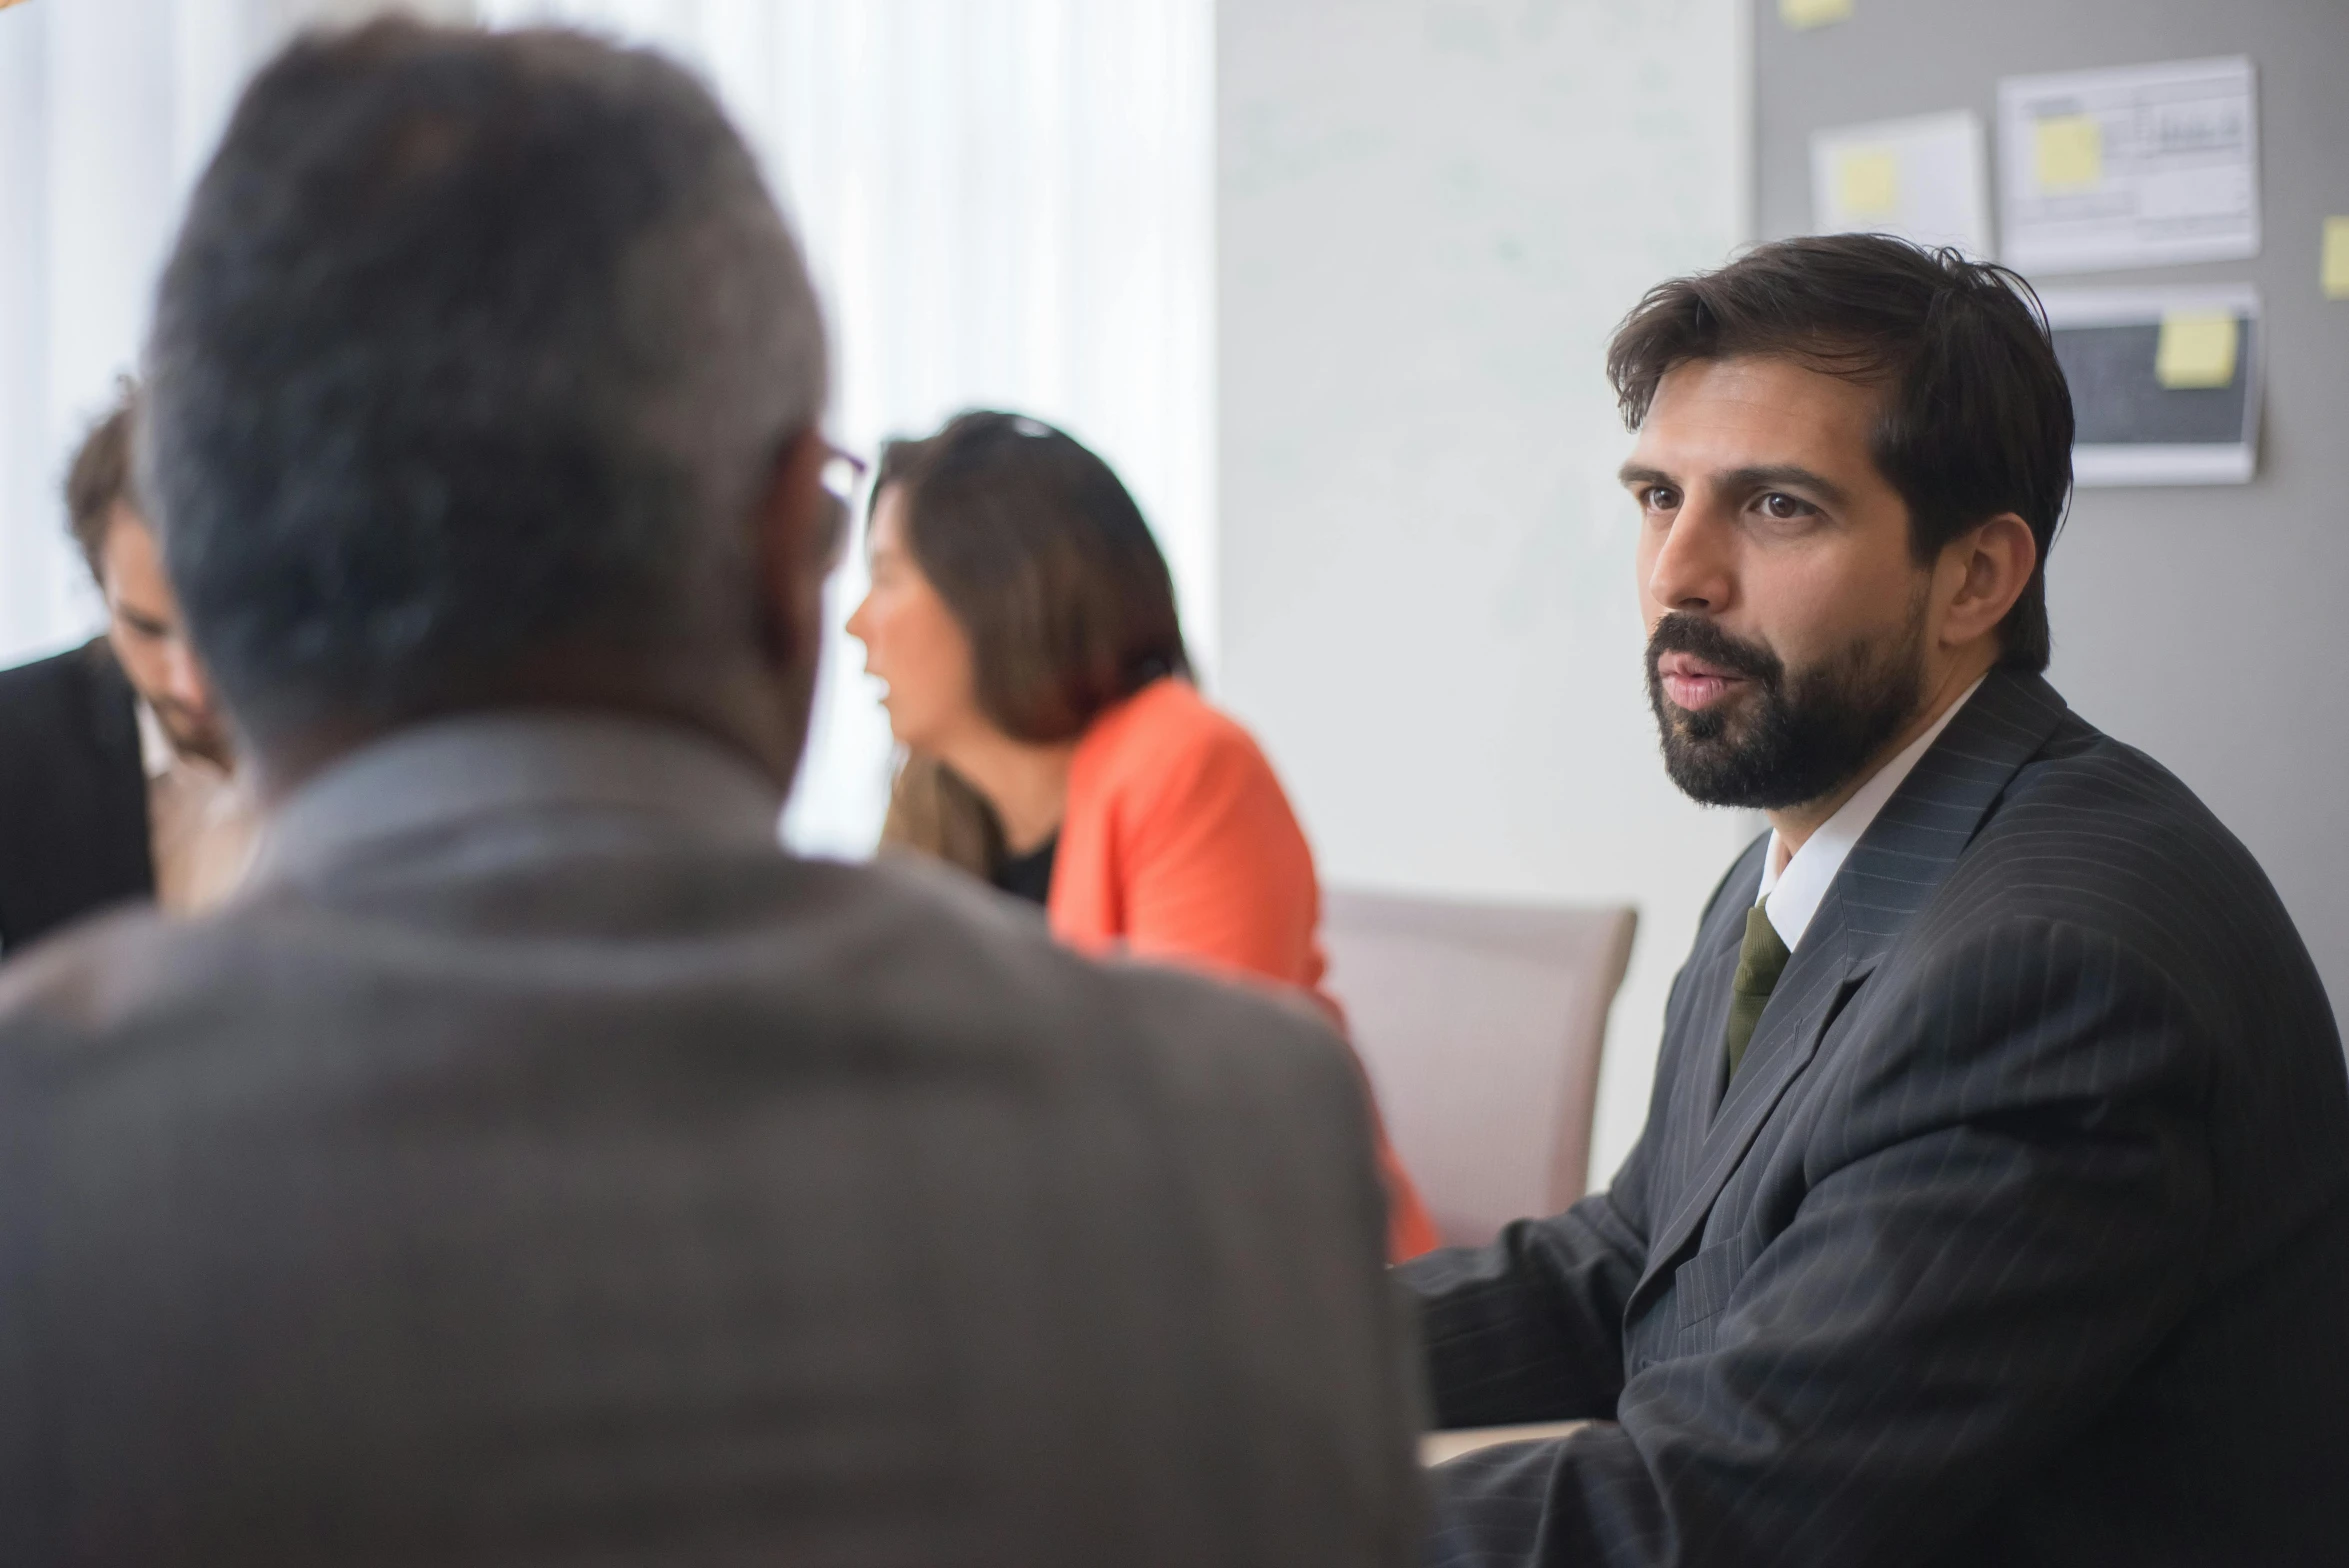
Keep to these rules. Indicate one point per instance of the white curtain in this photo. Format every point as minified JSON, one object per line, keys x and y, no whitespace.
{"x":1006,"y":203}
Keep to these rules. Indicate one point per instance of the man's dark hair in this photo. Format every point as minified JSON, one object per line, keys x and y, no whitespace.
{"x":475,"y":350}
{"x":1977,"y":419}
{"x":99,"y":479}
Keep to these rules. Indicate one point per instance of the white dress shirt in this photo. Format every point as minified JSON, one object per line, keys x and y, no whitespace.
{"x":1794,"y":888}
{"x":199,"y":823}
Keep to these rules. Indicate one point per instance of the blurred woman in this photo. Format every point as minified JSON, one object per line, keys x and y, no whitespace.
{"x":1024,"y":621}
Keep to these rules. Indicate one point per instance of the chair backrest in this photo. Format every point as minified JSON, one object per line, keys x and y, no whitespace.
{"x":1481,"y":1026}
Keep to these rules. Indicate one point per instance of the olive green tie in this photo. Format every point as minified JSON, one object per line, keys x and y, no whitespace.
{"x":1761,"y":958}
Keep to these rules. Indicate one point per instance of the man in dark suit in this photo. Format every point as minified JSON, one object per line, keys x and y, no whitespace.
{"x":73,"y":795}
{"x":1993,"y":1205}
{"x":532,"y":1163}
{"x":115,"y":770}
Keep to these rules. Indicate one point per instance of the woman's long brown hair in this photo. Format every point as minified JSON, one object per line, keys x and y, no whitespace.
{"x":1045,"y":562}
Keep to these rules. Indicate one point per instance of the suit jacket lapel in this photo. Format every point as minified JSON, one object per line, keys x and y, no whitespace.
{"x":120,"y":780}
{"x":1898,"y":864}
{"x":1695,"y":1069}
{"x":114,"y":707}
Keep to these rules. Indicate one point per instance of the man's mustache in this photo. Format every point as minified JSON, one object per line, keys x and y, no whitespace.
{"x":1681,"y":632}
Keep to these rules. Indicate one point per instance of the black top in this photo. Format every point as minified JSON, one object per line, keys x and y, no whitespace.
{"x":1028,"y":876}
{"x":73,"y":793}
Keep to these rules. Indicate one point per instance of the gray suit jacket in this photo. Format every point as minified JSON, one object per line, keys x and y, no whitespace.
{"x":2022,"y":1234}
{"x":536,"y":1166}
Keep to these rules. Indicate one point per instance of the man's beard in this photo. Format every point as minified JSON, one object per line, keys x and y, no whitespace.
{"x":1787,"y":738}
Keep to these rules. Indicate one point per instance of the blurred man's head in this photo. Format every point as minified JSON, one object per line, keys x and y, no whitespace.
{"x":142,"y":617}
{"x":486,"y":374}
{"x":1852,"y":458}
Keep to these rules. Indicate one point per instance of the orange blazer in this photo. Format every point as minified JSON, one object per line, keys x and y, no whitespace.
{"x":1178,"y":844}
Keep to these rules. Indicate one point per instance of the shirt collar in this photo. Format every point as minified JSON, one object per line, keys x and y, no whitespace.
{"x":448,"y":773}
{"x":156,"y":752}
{"x":1796,"y":892}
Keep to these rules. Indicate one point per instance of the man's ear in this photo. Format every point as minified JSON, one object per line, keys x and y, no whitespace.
{"x":1982,"y":573}
{"x":791,"y":549}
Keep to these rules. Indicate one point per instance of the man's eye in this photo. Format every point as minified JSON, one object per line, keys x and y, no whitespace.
{"x":1658,"y":498}
{"x":1785,"y":507}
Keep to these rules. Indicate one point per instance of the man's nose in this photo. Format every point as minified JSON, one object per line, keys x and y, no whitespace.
{"x":1695,"y":567}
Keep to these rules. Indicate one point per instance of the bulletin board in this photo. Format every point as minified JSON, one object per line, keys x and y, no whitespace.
{"x":2181,"y":613}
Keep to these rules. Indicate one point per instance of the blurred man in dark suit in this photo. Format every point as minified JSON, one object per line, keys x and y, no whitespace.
{"x":116,"y":775}
{"x":1993,"y":1205}
{"x":531,"y":1163}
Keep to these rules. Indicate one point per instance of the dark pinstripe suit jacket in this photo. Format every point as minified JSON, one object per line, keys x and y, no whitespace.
{"x":2022,"y":1235}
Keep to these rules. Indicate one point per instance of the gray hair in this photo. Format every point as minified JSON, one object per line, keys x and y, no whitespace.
{"x":473,"y":348}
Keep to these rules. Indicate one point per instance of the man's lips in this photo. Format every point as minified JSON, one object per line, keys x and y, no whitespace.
{"x":1693,"y":683}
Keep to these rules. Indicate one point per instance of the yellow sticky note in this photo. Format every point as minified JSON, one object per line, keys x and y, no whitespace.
{"x":2336,"y":263}
{"x":1867,"y":182}
{"x":1813,"y":13}
{"x":2197,"y":349}
{"x":2071,"y":152}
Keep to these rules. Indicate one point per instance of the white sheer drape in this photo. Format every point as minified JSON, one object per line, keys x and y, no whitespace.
{"x":1006,"y":203}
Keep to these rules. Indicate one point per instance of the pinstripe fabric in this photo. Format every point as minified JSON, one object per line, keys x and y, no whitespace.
{"x":2021,"y":1236}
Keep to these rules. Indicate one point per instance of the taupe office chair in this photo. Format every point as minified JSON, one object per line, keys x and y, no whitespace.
{"x":1481,"y":1026}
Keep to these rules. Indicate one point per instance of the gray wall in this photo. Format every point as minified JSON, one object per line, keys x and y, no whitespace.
{"x":2204,"y":625}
